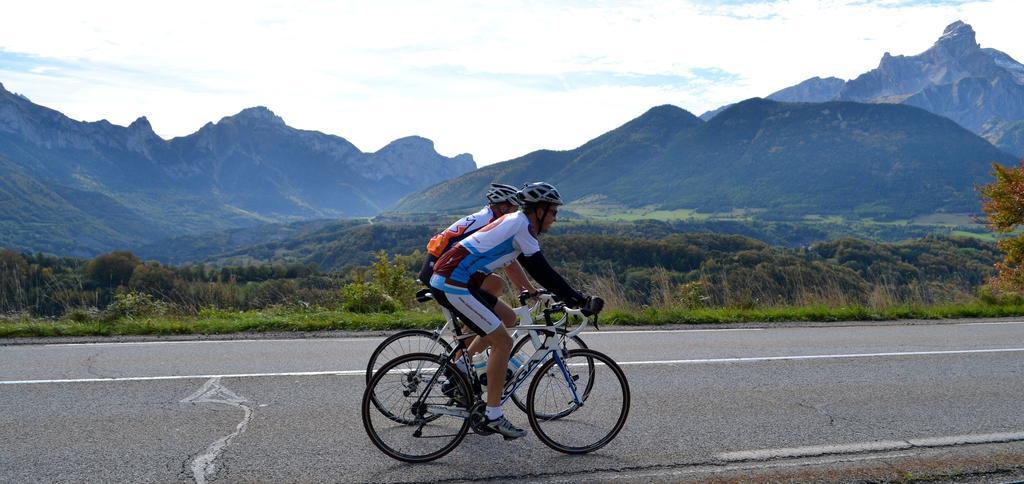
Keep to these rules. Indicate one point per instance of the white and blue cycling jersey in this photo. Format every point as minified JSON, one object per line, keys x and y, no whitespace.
{"x":488,"y":249}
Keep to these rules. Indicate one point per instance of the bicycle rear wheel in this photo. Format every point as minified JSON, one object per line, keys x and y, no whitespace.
{"x":403,"y":343}
{"x":524,"y":349}
{"x":410,"y":428}
{"x":586,"y":424}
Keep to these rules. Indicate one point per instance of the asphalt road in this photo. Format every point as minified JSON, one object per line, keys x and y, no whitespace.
{"x":704,"y":401}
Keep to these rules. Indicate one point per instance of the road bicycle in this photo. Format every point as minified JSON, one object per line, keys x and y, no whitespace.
{"x":434,"y":342}
{"x":577,"y":402}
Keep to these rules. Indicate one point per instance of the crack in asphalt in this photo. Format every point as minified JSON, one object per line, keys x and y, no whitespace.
{"x":90,"y":365}
{"x":818,"y":409}
{"x":853,"y":425}
{"x":204,"y":466}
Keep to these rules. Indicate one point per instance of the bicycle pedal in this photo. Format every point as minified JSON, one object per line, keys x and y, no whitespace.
{"x":481,"y":430}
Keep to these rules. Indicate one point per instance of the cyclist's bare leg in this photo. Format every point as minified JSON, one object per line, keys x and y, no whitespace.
{"x":501,"y":347}
{"x":493,"y":284}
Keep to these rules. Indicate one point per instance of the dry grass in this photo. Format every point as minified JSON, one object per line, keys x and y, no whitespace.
{"x":736,"y":291}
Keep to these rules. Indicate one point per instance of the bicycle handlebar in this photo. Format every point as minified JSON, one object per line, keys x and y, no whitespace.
{"x":543,"y":296}
{"x":581,"y":313}
{"x":591,"y":310}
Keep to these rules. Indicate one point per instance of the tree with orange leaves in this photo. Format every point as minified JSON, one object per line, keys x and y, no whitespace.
{"x":1004,"y":208}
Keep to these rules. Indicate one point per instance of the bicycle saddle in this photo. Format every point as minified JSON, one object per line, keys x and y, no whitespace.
{"x":424,"y":295}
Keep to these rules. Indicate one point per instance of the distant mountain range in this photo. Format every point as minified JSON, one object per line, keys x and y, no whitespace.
{"x":885,"y":161}
{"x":79,"y":188}
{"x":910,"y":138}
{"x":982,"y":89}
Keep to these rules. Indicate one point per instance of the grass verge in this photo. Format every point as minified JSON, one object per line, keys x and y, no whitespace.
{"x":224,"y":322}
{"x":810,"y":313}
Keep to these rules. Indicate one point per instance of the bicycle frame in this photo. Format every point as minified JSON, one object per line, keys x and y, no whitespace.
{"x":540,"y":336}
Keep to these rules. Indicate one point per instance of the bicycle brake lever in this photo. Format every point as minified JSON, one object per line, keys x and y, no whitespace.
{"x":596,"y":327}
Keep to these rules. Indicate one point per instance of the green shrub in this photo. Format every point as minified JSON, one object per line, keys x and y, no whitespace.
{"x":363,"y":297}
{"x":131,"y":305}
{"x":691,"y":295}
{"x":993,"y":296}
{"x":84,"y":315}
{"x":392,"y":278}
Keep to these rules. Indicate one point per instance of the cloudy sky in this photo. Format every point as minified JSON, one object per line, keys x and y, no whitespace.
{"x":495,"y":79}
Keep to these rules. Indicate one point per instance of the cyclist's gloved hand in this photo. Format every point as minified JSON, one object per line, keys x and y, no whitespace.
{"x":592,"y":305}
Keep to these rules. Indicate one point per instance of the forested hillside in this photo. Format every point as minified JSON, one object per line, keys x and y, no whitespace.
{"x":340,"y":245}
{"x":682,"y":269}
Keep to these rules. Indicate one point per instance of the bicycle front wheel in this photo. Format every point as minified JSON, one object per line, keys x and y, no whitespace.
{"x":403,"y":343}
{"x":410,"y":418}
{"x":580,"y":425}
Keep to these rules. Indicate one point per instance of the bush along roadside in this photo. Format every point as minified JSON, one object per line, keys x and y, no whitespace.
{"x":211,"y":321}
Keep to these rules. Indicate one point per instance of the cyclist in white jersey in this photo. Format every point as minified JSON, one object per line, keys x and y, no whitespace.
{"x":501,"y":200}
{"x":512,"y":237}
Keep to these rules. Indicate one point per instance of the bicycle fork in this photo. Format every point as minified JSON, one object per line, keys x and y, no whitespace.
{"x":569,"y":379}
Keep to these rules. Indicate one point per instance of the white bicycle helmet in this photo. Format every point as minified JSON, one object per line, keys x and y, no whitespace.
{"x":499,"y":193}
{"x":539,"y":192}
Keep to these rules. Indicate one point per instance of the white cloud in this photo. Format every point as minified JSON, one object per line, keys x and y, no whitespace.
{"x":475,"y":76}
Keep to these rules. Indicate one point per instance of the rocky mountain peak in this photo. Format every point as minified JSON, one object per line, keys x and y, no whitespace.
{"x":957,"y":32}
{"x":5,"y":94}
{"x":256,"y":115}
{"x":416,"y":156}
{"x":957,"y":40}
{"x":418,"y":143}
{"x":141,"y":124}
{"x":982,"y":89}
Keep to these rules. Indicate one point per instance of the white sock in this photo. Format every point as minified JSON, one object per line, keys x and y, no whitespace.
{"x":494,"y":413}
{"x":461,"y":365}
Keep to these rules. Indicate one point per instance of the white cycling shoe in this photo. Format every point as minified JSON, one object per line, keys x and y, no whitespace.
{"x":502,"y":426}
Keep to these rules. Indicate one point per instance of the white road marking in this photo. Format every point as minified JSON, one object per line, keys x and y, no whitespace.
{"x":813,"y":450}
{"x":214,"y":392}
{"x":990,"y":324}
{"x":188,"y":377}
{"x":967,"y":439}
{"x":218,"y":341}
{"x":655,"y":331}
{"x":621,"y":363}
{"x":879,"y":446}
{"x":818,"y":357}
{"x":699,"y":468}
